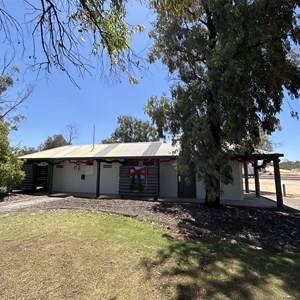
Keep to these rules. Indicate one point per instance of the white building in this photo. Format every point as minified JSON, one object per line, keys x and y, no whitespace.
{"x":129,"y":170}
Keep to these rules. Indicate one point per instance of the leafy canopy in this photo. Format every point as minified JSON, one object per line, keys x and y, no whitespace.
{"x":54,"y":141}
{"x":10,"y":167}
{"x":8,"y":103}
{"x":232,"y":60}
{"x":62,"y":31}
{"x":130,"y":129}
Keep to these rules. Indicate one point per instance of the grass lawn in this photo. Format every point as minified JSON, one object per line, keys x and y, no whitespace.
{"x":85,"y":255}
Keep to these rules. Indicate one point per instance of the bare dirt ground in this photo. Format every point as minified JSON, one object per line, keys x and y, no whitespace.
{"x":260,"y":228}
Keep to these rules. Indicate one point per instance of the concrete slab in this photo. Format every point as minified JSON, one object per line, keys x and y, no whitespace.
{"x":19,"y":205}
{"x":79,"y":195}
{"x":249,"y":201}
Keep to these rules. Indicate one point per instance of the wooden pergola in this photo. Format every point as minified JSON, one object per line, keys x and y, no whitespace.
{"x":266,"y":158}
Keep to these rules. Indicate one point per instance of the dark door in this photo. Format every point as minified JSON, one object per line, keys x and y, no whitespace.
{"x":42,"y":176}
{"x":186,"y":190}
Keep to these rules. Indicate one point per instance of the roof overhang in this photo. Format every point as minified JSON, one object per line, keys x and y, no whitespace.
{"x":122,"y":151}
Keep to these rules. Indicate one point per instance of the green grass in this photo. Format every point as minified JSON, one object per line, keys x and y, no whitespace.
{"x":84,"y":255}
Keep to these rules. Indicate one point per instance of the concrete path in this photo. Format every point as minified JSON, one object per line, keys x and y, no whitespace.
{"x":18,"y":205}
{"x":292,"y":202}
{"x":287,"y":201}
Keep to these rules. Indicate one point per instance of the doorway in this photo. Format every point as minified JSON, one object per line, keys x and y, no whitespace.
{"x":186,"y":190}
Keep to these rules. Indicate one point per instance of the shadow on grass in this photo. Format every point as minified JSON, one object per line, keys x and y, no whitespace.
{"x":224,"y":270}
{"x":269,"y":229}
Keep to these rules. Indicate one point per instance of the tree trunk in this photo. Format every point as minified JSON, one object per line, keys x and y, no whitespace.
{"x":213,"y":189}
{"x":213,"y":193}
{"x":215,"y":203}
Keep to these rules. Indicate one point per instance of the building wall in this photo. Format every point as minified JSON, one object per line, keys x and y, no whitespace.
{"x":109,"y":178}
{"x":234,"y":191}
{"x":200,"y":190}
{"x":67,"y":177}
{"x":169,"y":183}
{"x":168,"y":180}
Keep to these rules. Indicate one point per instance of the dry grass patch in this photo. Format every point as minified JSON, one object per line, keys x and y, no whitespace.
{"x":84,"y":255}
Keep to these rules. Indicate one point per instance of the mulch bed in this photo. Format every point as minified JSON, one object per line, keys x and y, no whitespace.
{"x":261,"y":228}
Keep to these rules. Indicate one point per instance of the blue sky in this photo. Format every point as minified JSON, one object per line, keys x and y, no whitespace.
{"x":56,"y":101}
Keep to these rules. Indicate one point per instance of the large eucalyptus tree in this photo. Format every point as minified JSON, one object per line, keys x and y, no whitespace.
{"x":233,"y":60}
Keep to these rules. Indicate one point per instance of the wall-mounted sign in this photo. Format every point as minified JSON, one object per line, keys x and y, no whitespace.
{"x":89,"y":170}
{"x":107,"y":166}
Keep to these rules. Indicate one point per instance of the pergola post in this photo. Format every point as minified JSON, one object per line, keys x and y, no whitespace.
{"x":98,"y":179}
{"x":50,"y":177}
{"x":246,"y":177}
{"x":256,"y":178}
{"x":277,"y":178}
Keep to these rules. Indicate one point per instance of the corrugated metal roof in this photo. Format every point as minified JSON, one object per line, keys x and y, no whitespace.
{"x":107,"y":151}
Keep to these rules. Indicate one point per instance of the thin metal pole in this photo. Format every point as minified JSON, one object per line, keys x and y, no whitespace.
{"x":94,"y":138}
{"x":284,"y":190}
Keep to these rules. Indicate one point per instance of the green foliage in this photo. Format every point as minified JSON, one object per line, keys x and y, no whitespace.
{"x":8,"y":105}
{"x":65,"y":29}
{"x":10,"y":166}
{"x":232,"y":61}
{"x":5,"y":83}
{"x":158,"y":110}
{"x":265,"y":143}
{"x":110,"y":22}
{"x":106,"y":22}
{"x":132,"y":129}
{"x":25,"y":150}
{"x":54,"y":141}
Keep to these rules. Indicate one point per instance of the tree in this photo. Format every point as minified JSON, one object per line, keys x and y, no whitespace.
{"x":61,"y":30}
{"x":9,"y":104}
{"x":20,"y":151}
{"x":10,"y":167}
{"x":67,"y":137}
{"x":233,"y":60}
{"x":132,"y":129}
{"x":54,"y":141}
{"x":265,"y":143}
{"x":71,"y":132}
